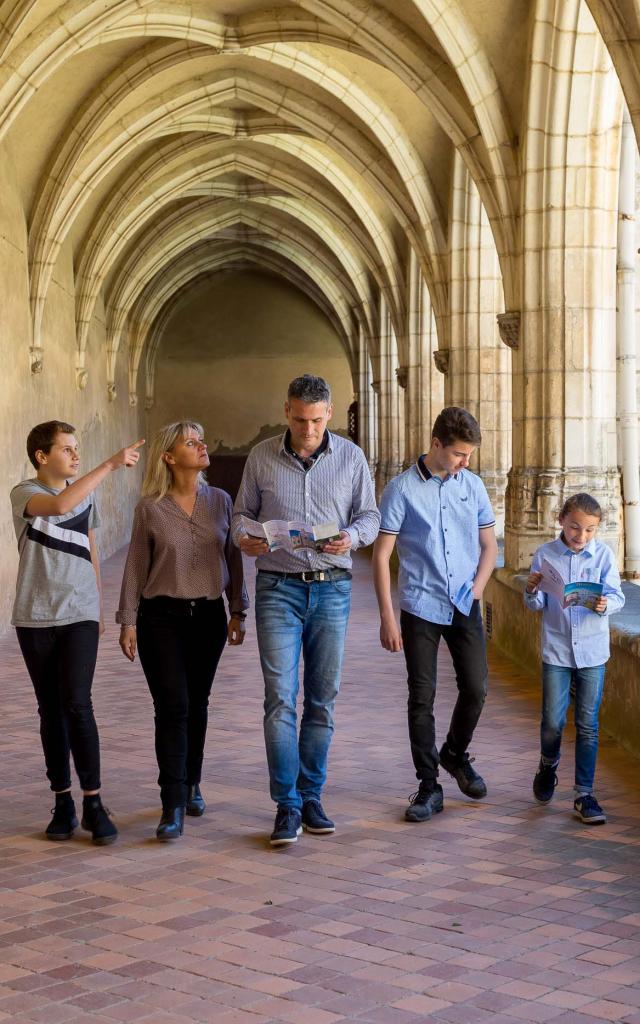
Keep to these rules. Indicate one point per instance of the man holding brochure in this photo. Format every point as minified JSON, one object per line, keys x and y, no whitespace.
{"x":306,"y":500}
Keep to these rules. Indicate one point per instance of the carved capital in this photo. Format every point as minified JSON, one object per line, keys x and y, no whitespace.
{"x":375,"y":384}
{"x":441,"y":359}
{"x":509,"y":327}
{"x":402,"y":375}
{"x":133,"y":399}
{"x":112,"y":391}
{"x":82,"y":377}
{"x":148,"y":402}
{"x":36,"y":358}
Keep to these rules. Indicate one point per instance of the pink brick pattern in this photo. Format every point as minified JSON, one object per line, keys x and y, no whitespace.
{"x":499,"y":911}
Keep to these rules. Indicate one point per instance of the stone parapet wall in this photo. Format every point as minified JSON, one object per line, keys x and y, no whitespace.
{"x":515,"y":630}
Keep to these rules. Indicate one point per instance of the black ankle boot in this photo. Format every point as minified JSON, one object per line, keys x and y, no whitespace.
{"x":171,"y":824}
{"x":96,"y":820}
{"x":64,"y":818}
{"x":195,"y":803}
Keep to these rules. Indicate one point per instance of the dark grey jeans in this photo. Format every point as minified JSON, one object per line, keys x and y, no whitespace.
{"x":466,"y":642}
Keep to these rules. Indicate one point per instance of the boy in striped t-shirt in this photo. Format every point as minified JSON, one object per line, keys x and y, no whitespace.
{"x":57,"y":615}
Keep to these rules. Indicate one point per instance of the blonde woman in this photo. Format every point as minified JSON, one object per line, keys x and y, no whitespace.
{"x":180,"y":560}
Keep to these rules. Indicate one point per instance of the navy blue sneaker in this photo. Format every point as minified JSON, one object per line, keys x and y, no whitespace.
{"x":588,"y":810}
{"x":545,"y":782}
{"x":287,"y":827}
{"x":314,"y":819}
{"x":426,"y":802}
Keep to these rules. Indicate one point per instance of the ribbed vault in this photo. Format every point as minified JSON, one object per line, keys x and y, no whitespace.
{"x":324,"y":131}
{"x":315,"y":138}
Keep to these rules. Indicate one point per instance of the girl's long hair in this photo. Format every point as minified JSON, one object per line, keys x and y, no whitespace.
{"x":158,"y":477}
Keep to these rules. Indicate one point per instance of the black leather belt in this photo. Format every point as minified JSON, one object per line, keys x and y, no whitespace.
{"x":310,"y":575}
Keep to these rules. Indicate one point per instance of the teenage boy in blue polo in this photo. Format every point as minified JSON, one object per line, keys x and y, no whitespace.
{"x":441,"y":517}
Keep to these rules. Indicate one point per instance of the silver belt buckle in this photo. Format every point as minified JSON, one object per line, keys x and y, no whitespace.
{"x":314,"y":574}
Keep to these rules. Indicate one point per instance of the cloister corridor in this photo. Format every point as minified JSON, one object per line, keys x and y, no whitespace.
{"x":498,"y":911}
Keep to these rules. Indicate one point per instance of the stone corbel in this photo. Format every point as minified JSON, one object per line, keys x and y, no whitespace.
{"x":402,"y":376}
{"x":375,"y":385}
{"x":441,"y":359}
{"x":148,"y":402}
{"x":36,"y":359}
{"x":82,"y":377}
{"x":509,"y":328}
{"x":112,"y":391}
{"x":133,"y":399}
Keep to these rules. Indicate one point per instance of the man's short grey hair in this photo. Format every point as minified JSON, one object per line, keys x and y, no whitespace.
{"x":309,"y":389}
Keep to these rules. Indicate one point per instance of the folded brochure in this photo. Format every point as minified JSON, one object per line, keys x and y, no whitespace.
{"x":280,"y":534}
{"x":585,"y":593}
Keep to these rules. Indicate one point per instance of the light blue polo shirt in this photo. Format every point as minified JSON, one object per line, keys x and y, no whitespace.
{"x":437,"y":523}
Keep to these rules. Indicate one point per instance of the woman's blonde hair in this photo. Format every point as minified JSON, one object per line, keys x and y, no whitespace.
{"x":158,"y":477}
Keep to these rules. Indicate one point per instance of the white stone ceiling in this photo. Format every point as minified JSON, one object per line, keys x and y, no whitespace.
{"x":158,"y":140}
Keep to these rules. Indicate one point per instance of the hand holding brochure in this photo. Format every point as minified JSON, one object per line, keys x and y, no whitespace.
{"x":279,"y":534}
{"x":585,"y":594}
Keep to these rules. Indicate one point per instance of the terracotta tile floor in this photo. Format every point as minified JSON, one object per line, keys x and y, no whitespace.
{"x":497,"y":911}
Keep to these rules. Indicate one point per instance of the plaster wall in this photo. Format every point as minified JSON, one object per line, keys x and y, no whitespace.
{"x":26,"y":398}
{"x":231,"y":347}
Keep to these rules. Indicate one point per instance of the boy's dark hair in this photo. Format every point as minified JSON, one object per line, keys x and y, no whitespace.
{"x":456,"y":424}
{"x":309,"y":389}
{"x":581,"y":502}
{"x":42,"y":438}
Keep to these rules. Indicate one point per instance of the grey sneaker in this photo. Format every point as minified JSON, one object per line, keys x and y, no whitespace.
{"x":314,"y":819}
{"x":426,"y":802}
{"x":588,"y":810}
{"x":287,"y":827}
{"x":459,"y":767}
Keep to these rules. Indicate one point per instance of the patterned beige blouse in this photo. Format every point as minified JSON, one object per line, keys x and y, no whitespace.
{"x":172,"y":554}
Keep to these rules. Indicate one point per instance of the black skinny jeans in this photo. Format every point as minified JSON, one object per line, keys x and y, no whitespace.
{"x":466,"y":642}
{"x":61,"y":661}
{"x":180,"y":643}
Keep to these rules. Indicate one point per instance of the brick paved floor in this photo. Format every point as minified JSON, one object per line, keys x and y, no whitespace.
{"x":497,"y":911}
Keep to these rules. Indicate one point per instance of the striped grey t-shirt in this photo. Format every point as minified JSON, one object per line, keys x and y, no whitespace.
{"x":57,"y":583}
{"x":336,"y":488}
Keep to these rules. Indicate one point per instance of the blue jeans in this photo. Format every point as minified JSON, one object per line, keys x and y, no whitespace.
{"x":556,"y":692}
{"x":293,"y":617}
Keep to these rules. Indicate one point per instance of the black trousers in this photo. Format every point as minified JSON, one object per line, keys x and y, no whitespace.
{"x":180,"y":643}
{"x":61,"y":661}
{"x":466,"y":641}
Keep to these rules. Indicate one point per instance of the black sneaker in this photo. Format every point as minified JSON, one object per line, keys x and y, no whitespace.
{"x":64,"y":819}
{"x":96,"y":820}
{"x":545,"y":782}
{"x":589,"y":810}
{"x":314,"y":819}
{"x":426,"y":802}
{"x":287,"y":827}
{"x":459,"y":767}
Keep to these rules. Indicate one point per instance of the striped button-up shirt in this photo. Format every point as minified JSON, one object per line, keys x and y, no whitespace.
{"x":337,"y":488}
{"x":576,"y":637}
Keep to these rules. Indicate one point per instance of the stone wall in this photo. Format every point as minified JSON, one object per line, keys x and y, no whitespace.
{"x":229,"y":351}
{"x":27,"y":398}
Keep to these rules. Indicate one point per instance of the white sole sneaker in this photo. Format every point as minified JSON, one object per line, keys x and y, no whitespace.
{"x":286,"y":839}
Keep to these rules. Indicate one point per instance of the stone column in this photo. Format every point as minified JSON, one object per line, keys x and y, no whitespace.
{"x":390,"y":405}
{"x":480,"y":364}
{"x":626,"y":350}
{"x":366,"y":405}
{"x":564,"y":379}
{"x":424,"y":394}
